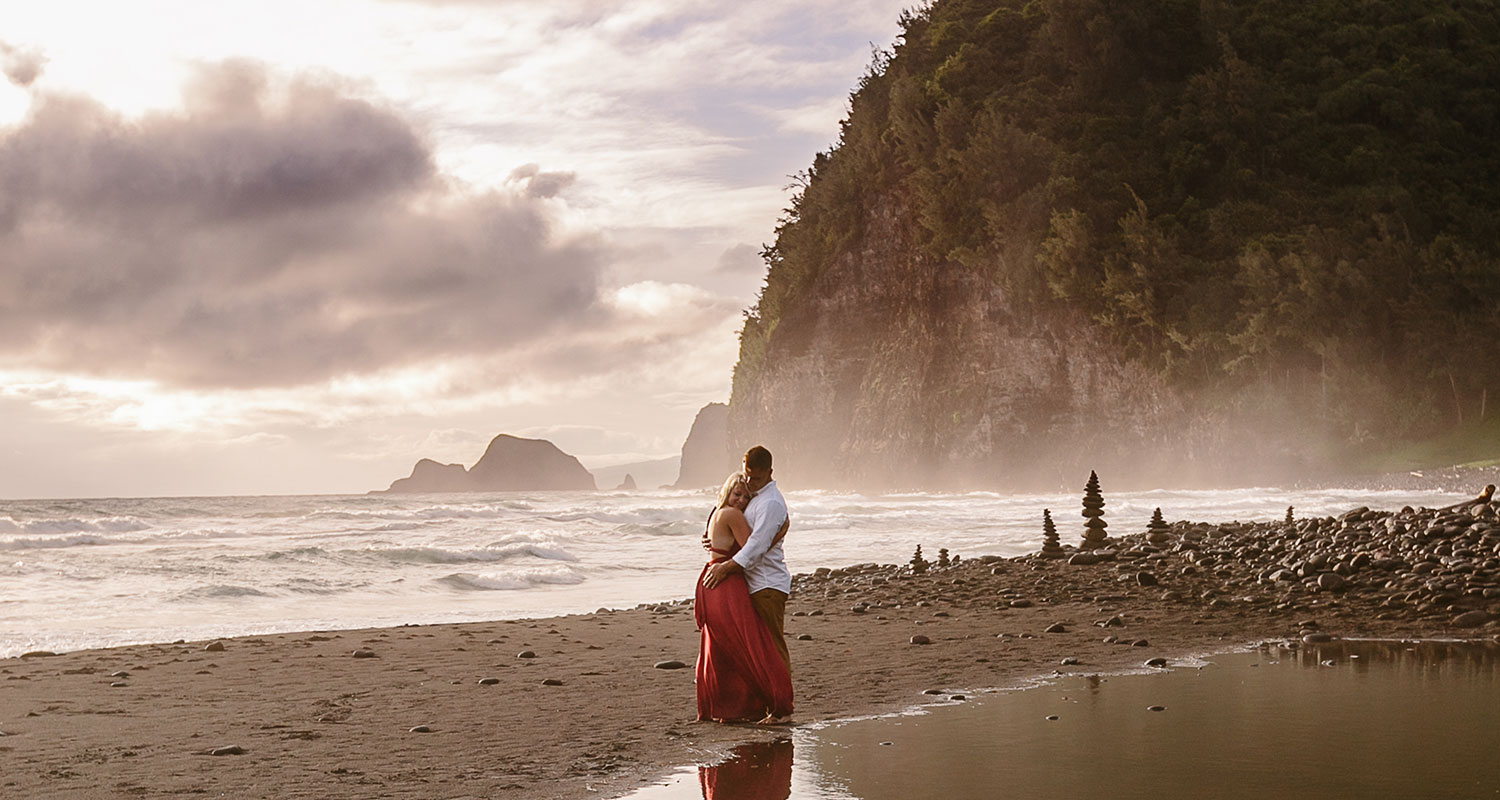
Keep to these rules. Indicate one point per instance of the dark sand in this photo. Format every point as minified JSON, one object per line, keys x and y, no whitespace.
{"x":315,"y":721}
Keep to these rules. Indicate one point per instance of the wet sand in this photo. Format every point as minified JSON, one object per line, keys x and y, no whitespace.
{"x":455,"y":711}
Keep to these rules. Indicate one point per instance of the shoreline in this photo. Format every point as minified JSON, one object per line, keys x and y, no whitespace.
{"x":588,"y":714}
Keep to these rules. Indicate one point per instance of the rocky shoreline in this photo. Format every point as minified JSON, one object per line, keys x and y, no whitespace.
{"x":591,"y":706}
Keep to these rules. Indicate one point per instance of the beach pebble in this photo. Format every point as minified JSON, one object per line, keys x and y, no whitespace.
{"x":488,"y":681}
{"x":552,"y":682}
{"x":121,"y":674}
{"x":1146,"y":579}
{"x":920,"y":639}
{"x":804,"y":637}
{"x":228,"y":750}
{"x":214,"y":647}
{"x":1140,"y":643}
{"x":39,"y":654}
{"x":1470,"y":619}
{"x":1052,"y":717}
{"x":1317,"y":638}
{"x":932,"y":691}
{"x":1069,"y":661}
{"x":1156,"y":662}
{"x":419,"y":729}
{"x":1083,"y":559}
{"x":1156,"y":708}
{"x":958,"y":697}
{"x":526,"y":654}
{"x":1057,"y":627}
{"x":1020,"y":604}
{"x":118,"y":684}
{"x":1332,"y":582}
{"x":669,"y":665}
{"x":363,"y":654}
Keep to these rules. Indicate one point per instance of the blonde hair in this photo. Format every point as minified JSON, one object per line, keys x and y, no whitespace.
{"x":728,"y":487}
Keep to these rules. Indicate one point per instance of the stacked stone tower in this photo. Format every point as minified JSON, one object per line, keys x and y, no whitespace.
{"x":1290,"y":520}
{"x":919,"y":564}
{"x":1157,"y":530}
{"x":1051,"y":546}
{"x":1093,"y":511}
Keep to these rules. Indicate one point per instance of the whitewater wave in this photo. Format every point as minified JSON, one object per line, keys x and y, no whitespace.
{"x":437,"y":512}
{"x":92,"y":539}
{"x":221,"y":590}
{"x":499,"y":551}
{"x":511,"y":580}
{"x":71,"y":525}
{"x":49,"y":542}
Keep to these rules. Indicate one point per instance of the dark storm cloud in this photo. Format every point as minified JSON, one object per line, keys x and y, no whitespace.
{"x":267,"y":234}
{"x":22,"y":66}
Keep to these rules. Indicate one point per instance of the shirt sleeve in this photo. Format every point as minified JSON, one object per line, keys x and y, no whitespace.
{"x":762,"y":533}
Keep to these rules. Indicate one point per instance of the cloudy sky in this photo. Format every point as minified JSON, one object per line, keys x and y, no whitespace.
{"x":289,"y":247}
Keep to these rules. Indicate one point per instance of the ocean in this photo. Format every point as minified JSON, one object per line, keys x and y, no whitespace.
{"x":78,"y":574}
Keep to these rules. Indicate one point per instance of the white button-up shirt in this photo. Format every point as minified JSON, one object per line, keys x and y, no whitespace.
{"x":764,"y":564}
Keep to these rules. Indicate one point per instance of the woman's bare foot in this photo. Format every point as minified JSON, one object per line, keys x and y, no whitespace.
{"x":773,"y":720}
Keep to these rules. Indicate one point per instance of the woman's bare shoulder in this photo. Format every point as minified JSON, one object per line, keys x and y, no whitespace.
{"x":729,"y":514}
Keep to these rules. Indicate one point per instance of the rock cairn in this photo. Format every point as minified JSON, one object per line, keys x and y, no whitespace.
{"x":919,"y":564}
{"x":1157,"y":530}
{"x":1290,"y":520}
{"x":943,"y":560}
{"x":1051,"y":546}
{"x":1093,"y":512}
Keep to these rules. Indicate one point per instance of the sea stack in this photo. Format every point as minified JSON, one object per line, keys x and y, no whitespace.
{"x":509,"y":464}
{"x":1051,"y":546}
{"x":1093,"y":512}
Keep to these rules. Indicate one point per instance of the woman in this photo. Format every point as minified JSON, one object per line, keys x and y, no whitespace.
{"x":740,"y":674}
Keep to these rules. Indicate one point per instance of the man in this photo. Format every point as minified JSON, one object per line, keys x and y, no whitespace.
{"x":761,"y":557}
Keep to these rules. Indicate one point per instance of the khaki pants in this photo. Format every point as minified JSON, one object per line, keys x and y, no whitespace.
{"x":770,"y":604}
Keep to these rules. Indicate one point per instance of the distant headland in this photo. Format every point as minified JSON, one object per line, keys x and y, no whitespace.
{"x":509,"y":464}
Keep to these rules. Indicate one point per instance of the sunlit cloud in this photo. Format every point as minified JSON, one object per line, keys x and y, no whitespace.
{"x":351,"y":233}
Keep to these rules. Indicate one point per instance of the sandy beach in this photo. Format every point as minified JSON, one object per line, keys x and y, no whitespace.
{"x":577,"y":706}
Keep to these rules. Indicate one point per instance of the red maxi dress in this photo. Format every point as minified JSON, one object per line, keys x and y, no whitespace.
{"x":740,"y":673}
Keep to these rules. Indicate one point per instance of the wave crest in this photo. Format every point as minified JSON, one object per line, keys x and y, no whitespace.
{"x":511,"y":580}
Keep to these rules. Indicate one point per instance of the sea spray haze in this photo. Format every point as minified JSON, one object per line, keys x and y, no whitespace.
{"x":1178,"y":242}
{"x":88,"y":573}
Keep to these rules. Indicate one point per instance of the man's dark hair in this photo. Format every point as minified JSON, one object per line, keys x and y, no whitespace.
{"x":757,"y":457}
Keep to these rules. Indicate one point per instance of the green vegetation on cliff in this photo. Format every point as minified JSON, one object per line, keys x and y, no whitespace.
{"x":1299,"y":197}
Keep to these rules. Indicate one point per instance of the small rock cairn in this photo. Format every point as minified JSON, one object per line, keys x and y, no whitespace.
{"x":1093,"y":511}
{"x":943,"y":560}
{"x":1290,"y":520}
{"x":1157,"y":530}
{"x":919,"y":564}
{"x":1051,"y":546}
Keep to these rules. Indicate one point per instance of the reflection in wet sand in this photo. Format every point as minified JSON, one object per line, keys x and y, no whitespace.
{"x":758,"y":771}
{"x":1337,"y":719}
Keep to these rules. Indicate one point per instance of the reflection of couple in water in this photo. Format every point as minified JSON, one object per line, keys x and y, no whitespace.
{"x":744,"y":670}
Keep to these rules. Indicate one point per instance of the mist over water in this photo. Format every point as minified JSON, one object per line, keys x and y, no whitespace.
{"x":92,"y":573}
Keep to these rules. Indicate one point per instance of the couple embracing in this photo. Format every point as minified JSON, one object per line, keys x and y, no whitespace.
{"x":744,"y":669}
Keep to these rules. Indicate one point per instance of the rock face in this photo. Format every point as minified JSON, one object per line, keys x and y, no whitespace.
{"x":509,"y":464}
{"x":897,"y":370}
{"x":707,"y":457}
{"x":430,"y":476}
{"x":627,"y":485}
